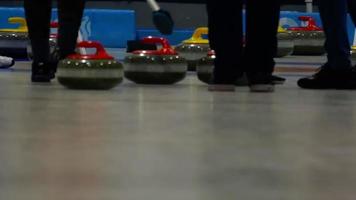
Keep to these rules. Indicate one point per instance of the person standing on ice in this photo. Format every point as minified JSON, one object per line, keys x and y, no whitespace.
{"x":337,"y":72}
{"x":38,"y":16}
{"x":226,"y":38}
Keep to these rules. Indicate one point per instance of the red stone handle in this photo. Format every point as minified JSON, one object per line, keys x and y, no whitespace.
{"x":211,"y":53}
{"x":100,"y":54}
{"x":312,"y":26}
{"x":54,"y":25}
{"x":165,"y":50}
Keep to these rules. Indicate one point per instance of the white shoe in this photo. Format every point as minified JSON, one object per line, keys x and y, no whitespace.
{"x":6,"y":62}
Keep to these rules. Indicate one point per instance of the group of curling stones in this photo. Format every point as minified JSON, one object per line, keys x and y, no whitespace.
{"x":167,"y":65}
{"x":101,"y":71}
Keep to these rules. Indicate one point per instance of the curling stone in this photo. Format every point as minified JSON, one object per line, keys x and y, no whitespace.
{"x":96,"y":71}
{"x":194,"y":48}
{"x":285,"y":43}
{"x":353,"y":55}
{"x":52,"y":43}
{"x":308,"y":40}
{"x":163,"y":66}
{"x":205,"y":67}
{"x":14,"y":41}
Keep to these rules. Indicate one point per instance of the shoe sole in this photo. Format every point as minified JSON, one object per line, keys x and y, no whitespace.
{"x":262,"y":88}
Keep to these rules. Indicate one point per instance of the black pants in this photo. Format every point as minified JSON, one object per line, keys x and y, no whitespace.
{"x":226,"y":37}
{"x":38,"y":15}
{"x":352,"y":9}
{"x":334,"y":15}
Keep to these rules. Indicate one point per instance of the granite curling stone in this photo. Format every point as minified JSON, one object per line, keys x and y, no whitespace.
{"x":308,"y":40}
{"x":97,"y":71}
{"x":194,"y":48}
{"x":205,"y":68}
{"x":14,"y":41}
{"x":163,"y":66}
{"x":353,"y":55}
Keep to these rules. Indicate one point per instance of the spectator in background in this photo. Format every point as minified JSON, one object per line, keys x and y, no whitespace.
{"x":337,"y":72}
{"x":226,"y":38}
{"x":38,"y":16}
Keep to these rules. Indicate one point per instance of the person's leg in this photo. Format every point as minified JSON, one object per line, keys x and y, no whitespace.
{"x":70,"y":18}
{"x":225,"y":35}
{"x":337,"y":73}
{"x":352,"y":9}
{"x":38,"y":16}
{"x":334,"y":15}
{"x":262,"y":19}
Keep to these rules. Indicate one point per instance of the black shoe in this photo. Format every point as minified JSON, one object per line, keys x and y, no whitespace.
{"x":242,"y":81}
{"x":277,"y":80}
{"x":41,"y":73}
{"x":327,"y":78}
{"x":260,"y":82}
{"x":52,"y":69}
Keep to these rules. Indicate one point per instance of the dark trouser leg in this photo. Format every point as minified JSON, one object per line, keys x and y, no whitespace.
{"x":225,"y":35}
{"x":261,"y":36}
{"x":70,"y":17}
{"x":334,"y":15}
{"x":38,"y":16}
{"x":352,"y":10}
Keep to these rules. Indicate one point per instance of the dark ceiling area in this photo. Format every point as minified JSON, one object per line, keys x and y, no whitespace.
{"x":193,"y":15}
{"x":295,"y":2}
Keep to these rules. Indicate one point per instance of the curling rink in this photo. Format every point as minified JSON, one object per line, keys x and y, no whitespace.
{"x":179,"y":142}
